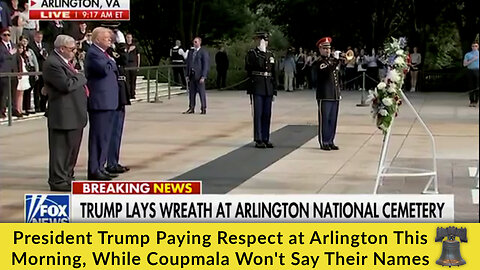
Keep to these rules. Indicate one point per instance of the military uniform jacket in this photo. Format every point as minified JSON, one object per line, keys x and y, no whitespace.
{"x":257,"y":62}
{"x":121,"y":59}
{"x":327,"y":80}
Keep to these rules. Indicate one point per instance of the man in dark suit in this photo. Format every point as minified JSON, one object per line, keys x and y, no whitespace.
{"x":102,"y":74}
{"x":8,"y":63}
{"x":5,"y":19}
{"x":41,"y":50}
{"x":221,"y":59}
{"x":198,"y":64}
{"x":260,"y":66}
{"x":67,"y":112}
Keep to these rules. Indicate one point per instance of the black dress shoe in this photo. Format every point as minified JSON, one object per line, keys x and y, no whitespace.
{"x":17,"y":114}
{"x":334,"y":147}
{"x":268,"y":144}
{"x":111,"y":175}
{"x":203,"y":111}
{"x":117,"y":169}
{"x":260,"y":145}
{"x":62,"y":186}
{"x":189,"y":111}
{"x":325,"y":147}
{"x":99,"y":176}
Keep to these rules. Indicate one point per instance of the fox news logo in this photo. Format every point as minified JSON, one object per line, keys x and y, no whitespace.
{"x":42,"y":208}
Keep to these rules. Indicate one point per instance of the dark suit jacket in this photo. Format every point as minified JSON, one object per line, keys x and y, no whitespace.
{"x":102,"y":74}
{"x":5,"y":19}
{"x":67,"y":100}
{"x":221,"y":59}
{"x":8,"y":62}
{"x":38,"y":53}
{"x":199,"y":65}
{"x":85,"y":46}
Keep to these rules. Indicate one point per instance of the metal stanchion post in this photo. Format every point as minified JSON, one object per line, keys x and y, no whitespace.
{"x":362,"y":100}
{"x":10,"y":102}
{"x":168,"y":82}
{"x":148,"y":85}
{"x":156,"y":85}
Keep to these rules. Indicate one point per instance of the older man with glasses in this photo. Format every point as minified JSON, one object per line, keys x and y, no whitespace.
{"x":66,"y":112}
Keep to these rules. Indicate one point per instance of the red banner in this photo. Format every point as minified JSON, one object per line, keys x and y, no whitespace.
{"x":82,"y":15}
{"x":136,"y":187}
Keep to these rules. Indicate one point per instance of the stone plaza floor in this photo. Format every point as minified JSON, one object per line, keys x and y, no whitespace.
{"x":160,"y":143}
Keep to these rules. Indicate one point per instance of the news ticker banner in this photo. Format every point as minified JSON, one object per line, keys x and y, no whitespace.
{"x":84,"y":10}
{"x":236,"y":246}
{"x":182,"y":201}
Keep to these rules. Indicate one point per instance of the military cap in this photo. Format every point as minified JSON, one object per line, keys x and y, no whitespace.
{"x":111,"y":25}
{"x":262,"y":35}
{"x":324,"y":42}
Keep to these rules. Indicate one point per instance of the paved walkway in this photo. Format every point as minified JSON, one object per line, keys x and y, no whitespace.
{"x":161,"y":143}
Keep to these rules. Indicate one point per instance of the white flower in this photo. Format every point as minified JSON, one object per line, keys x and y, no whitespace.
{"x":391,"y":89}
{"x":371,"y":95}
{"x":387,"y":102}
{"x":399,"y":61}
{"x":399,"y":52}
{"x":381,"y":86}
{"x":393,"y":76}
{"x":383,"y":112}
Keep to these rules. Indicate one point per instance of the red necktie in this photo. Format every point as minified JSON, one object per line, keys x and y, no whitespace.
{"x":72,"y":67}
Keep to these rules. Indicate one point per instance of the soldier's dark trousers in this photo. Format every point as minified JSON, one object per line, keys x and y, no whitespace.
{"x":327,"y":121}
{"x":262,"y":114}
{"x":116,"y":139}
{"x":197,"y":87}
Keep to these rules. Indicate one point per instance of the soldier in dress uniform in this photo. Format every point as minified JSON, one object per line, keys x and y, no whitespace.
{"x":119,"y":53}
{"x":260,"y":64}
{"x":328,"y":95}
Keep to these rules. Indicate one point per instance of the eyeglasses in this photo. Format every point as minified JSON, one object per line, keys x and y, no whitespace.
{"x":72,"y":49}
{"x":6,"y":35}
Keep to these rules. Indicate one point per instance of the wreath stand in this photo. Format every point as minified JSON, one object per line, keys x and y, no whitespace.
{"x":476,"y":174}
{"x":388,"y":171}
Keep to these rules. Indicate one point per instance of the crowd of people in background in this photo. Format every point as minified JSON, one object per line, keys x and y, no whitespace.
{"x":299,"y":68}
{"x":24,"y":48}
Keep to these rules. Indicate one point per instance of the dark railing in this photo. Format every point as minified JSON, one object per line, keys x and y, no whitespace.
{"x":452,"y":80}
{"x":9,"y":75}
{"x":160,"y":75}
{"x":161,"y":72}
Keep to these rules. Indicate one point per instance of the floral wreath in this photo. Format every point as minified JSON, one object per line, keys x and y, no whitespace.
{"x":385,"y":98}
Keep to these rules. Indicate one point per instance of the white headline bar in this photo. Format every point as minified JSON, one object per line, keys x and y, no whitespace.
{"x":263,"y":208}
